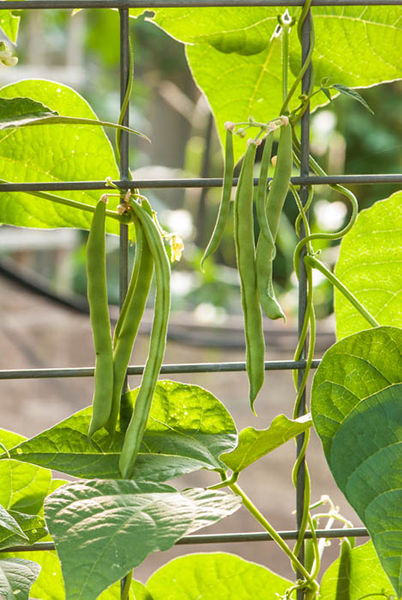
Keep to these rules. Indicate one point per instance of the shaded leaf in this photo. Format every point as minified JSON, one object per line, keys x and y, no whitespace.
{"x":103,"y":529}
{"x":215,"y":576}
{"x":49,"y":585}
{"x":356,"y":400}
{"x":54,"y":153}
{"x":364,"y":576}
{"x":8,"y":523}
{"x":188,"y":428}
{"x":346,"y":91}
{"x":255,"y":443}
{"x":16,"y":577}
{"x":24,"y":486}
{"x":370,"y":265}
{"x":33,"y":528}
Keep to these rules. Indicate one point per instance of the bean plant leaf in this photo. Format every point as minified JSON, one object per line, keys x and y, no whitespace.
{"x":54,"y":153}
{"x":9,"y":439}
{"x":25,"y":112}
{"x":24,"y":486}
{"x":103,"y":529}
{"x":215,"y":576}
{"x":356,"y":407}
{"x":347,"y":91}
{"x":32,"y":528}
{"x":236,"y":47}
{"x":370,"y":265}
{"x":256,"y":443}
{"x":16,"y":578}
{"x":187,"y":430}
{"x":9,"y":524}
{"x":9,"y":23}
{"x":363,"y":576}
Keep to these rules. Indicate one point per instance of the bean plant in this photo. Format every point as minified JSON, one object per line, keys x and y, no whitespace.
{"x":117,"y":507}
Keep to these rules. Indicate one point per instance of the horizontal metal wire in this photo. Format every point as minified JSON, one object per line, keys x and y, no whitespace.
{"x":71,"y":4}
{"x":226,"y":367}
{"x":195,"y":182}
{"x":224,"y":538}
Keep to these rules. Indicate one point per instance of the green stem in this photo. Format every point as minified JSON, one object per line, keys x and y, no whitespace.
{"x":316,"y":264}
{"x":129,"y":89}
{"x":268,"y":527}
{"x":127,"y":584}
{"x":68,"y":202}
{"x":285,"y":59}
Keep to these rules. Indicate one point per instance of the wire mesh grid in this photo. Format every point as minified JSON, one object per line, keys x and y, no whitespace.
{"x":304,"y":180}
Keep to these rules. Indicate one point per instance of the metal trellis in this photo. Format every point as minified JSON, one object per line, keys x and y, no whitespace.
{"x":304,"y":180}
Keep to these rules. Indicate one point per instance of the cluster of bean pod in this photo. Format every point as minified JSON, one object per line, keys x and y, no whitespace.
{"x":113,"y":355}
{"x":255,"y":262}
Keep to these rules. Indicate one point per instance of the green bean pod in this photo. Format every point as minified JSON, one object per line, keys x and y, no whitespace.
{"x":224,"y":206}
{"x":274,"y":205}
{"x":262,"y":191}
{"x":245,"y":254}
{"x":142,"y":406}
{"x":132,"y":311}
{"x":100,"y":322}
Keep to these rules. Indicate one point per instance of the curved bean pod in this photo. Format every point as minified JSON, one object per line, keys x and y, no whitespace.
{"x":142,"y":407}
{"x":245,"y":254}
{"x":100,"y":322}
{"x":274,"y":205}
{"x":224,"y":206}
{"x":133,"y":311}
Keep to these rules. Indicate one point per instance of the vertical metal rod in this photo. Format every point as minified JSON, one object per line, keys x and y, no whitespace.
{"x":304,"y":170}
{"x":124,"y":168}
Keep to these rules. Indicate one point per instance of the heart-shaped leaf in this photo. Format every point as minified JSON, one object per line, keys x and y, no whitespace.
{"x":370,"y":265}
{"x":54,"y":153}
{"x":188,"y":428}
{"x":103,"y":529}
{"x":215,"y":576}
{"x":356,"y":409}
{"x":256,"y":443}
{"x":16,"y":578}
{"x":355,"y":574}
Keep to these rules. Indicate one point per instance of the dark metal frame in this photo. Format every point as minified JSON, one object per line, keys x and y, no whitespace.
{"x":124,"y":183}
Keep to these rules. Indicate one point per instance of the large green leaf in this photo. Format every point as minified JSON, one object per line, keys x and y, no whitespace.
{"x":356,"y":408}
{"x":188,"y":428}
{"x":237,"y":63}
{"x":370,"y":265}
{"x":103,"y":529}
{"x":215,"y":576}
{"x":355,"y":574}
{"x":32,"y":529}
{"x":54,"y":153}
{"x":16,"y":577}
{"x":256,"y":443}
{"x":23,"y":487}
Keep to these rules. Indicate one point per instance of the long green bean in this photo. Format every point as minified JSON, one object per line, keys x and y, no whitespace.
{"x":99,"y":314}
{"x":245,"y":253}
{"x":133,"y":310}
{"x":142,"y":407}
{"x":224,"y":206}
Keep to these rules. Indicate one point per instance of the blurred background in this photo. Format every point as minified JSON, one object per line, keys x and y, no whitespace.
{"x":43,"y":283}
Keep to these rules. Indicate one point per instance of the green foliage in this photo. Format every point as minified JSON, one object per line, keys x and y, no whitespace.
{"x":16,"y":577}
{"x":9,"y":23}
{"x":370,"y":265}
{"x":356,"y":573}
{"x":356,"y":399}
{"x":256,"y":443}
{"x":103,"y":529}
{"x":187,"y":430}
{"x":215,"y":576}
{"x":54,"y":153}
